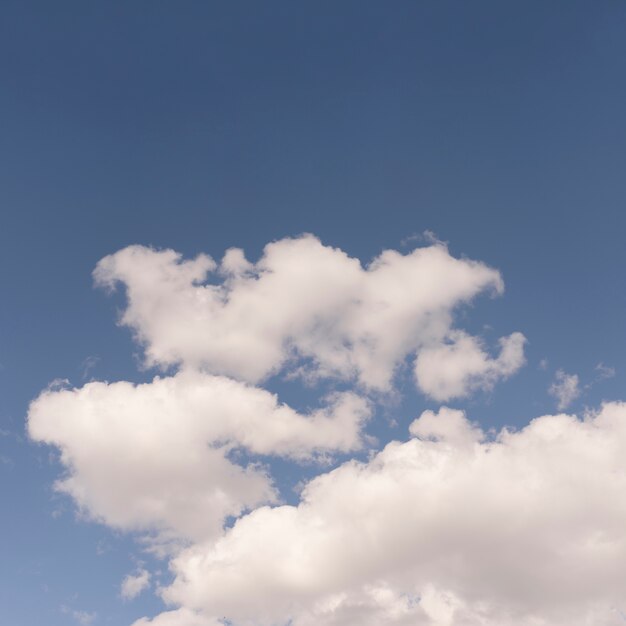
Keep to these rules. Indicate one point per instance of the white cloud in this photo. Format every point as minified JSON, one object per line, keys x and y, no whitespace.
{"x":565,"y":389}
{"x":302,"y":300}
{"x":81,"y":617}
{"x":604,"y":371}
{"x":88,"y":365}
{"x":448,"y":528}
{"x":393,"y":541}
{"x":460,"y":366}
{"x":135,"y":584}
{"x":158,"y":455}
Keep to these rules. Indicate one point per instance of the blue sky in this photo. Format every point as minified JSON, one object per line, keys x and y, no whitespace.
{"x":497,"y":126}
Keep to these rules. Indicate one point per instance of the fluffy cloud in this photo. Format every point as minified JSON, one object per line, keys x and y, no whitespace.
{"x":565,"y":389}
{"x":393,"y":541}
{"x":159,"y":455}
{"x":450,"y":527}
{"x":456,"y":368}
{"x":301,"y":301}
{"x":135,"y":584}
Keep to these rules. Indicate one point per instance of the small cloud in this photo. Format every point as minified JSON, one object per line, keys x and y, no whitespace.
{"x":7,"y":461}
{"x":102,"y":547}
{"x":428,"y":237}
{"x":543,"y":364}
{"x":134,"y":584}
{"x":565,"y":389}
{"x":88,"y":364}
{"x":56,"y":513}
{"x":59,"y":383}
{"x":459,"y":367}
{"x":82,"y":617}
{"x":604,"y":371}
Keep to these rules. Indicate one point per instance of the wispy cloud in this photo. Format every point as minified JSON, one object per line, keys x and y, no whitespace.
{"x":604,"y":371}
{"x":134,"y":584}
{"x":81,"y":617}
{"x":565,"y":388}
{"x":88,"y":365}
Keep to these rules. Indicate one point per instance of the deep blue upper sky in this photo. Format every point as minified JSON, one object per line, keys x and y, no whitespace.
{"x":203,"y":125}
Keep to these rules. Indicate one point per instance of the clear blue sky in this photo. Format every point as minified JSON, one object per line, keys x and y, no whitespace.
{"x":203,"y":125}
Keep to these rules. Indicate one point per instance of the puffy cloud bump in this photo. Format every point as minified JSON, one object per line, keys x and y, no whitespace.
{"x":460,"y":366}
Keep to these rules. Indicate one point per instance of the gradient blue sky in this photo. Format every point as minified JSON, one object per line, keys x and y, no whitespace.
{"x":204,"y":125}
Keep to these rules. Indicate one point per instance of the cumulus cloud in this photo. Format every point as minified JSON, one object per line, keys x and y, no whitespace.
{"x":458,"y":367}
{"x":449,"y":527}
{"x":301,"y":301}
{"x":135,"y":584}
{"x":565,"y":389}
{"x":159,"y":455}
{"x":403,"y":539}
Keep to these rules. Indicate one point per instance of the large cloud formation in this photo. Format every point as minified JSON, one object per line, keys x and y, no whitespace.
{"x":450,"y":527}
{"x":446,"y":528}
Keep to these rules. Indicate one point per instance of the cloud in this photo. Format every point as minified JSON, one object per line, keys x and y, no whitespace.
{"x":159,"y":455}
{"x":604,"y":371}
{"x":81,"y":617}
{"x":460,"y":366}
{"x":135,"y":584}
{"x":565,"y":389}
{"x":88,"y":365}
{"x":395,"y":540}
{"x":7,"y":461}
{"x":302,"y":301}
{"x":449,"y":527}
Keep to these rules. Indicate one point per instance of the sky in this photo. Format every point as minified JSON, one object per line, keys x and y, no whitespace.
{"x":283,"y":288}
